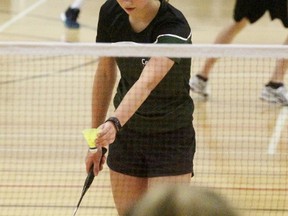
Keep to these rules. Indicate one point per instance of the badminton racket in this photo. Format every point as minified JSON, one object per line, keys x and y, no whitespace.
{"x":88,"y":182}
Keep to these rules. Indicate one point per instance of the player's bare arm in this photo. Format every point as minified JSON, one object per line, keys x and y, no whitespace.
{"x":104,"y":81}
{"x":153,"y":73}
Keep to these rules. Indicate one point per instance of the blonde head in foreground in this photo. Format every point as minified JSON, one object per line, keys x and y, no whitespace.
{"x":181,"y":200}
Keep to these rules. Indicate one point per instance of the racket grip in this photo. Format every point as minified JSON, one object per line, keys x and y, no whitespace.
{"x":104,"y":150}
{"x":91,"y":173}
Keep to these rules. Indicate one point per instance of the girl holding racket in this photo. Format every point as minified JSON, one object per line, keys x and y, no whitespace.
{"x":150,"y":135}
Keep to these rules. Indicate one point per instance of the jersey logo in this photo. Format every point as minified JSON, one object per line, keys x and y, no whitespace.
{"x":144,"y":61}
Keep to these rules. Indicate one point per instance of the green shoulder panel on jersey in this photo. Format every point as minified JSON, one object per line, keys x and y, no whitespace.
{"x":173,"y":39}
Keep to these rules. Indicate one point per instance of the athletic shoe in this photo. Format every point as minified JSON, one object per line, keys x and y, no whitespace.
{"x":70,"y":18}
{"x":199,"y":86}
{"x":279,"y":95}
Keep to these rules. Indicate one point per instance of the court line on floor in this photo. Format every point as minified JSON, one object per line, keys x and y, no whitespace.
{"x":21,"y":15}
{"x":53,"y":206}
{"x":276,"y":136}
{"x":49,"y":74}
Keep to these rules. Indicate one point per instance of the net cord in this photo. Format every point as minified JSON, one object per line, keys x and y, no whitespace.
{"x":140,"y":50}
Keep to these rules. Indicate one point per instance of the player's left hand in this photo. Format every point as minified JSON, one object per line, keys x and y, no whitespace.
{"x":107,"y":134}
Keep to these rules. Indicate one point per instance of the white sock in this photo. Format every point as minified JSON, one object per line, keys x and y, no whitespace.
{"x":77,"y":4}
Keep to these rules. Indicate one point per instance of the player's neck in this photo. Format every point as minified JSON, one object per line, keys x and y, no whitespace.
{"x":141,"y":20}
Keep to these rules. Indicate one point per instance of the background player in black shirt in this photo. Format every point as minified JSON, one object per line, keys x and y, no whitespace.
{"x":150,"y":134}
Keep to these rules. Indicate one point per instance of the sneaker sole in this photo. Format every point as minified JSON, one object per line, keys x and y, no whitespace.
{"x":271,"y":100}
{"x":199,"y":92}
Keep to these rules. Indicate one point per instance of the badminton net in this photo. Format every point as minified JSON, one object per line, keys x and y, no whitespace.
{"x":45,"y":103}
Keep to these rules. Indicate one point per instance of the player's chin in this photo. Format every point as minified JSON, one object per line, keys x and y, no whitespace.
{"x":129,"y":10}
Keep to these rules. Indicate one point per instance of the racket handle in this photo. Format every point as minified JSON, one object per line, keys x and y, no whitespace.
{"x":88,"y":182}
{"x":90,"y":176}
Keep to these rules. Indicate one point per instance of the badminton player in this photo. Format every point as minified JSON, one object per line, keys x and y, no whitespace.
{"x":246,"y":12}
{"x":150,"y":135}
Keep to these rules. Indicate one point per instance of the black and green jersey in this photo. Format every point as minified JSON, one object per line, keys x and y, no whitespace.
{"x":169,"y":106}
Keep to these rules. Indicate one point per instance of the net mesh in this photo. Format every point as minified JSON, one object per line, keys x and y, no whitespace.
{"x":45,"y":103}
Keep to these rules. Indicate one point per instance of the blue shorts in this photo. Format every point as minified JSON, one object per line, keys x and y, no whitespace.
{"x":153,"y":155}
{"x":255,"y":9}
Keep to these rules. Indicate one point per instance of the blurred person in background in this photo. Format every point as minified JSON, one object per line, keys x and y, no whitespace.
{"x":245,"y":12}
{"x":70,"y":16}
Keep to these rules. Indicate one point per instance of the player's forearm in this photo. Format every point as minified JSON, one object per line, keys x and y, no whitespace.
{"x":102,"y":93}
{"x":140,"y":91}
{"x":131,"y":102}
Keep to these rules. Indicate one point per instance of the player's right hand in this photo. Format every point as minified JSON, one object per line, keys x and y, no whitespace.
{"x":96,"y":159}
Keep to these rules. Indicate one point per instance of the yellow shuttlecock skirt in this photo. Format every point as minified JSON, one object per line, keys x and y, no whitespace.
{"x":90,"y":136}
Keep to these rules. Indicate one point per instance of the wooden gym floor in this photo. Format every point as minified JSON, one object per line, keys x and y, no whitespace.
{"x":242,"y":142}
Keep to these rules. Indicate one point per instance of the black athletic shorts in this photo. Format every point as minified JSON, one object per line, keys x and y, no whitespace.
{"x":255,"y":9}
{"x":153,"y":155}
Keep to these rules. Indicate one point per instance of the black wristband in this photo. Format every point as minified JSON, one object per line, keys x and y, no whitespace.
{"x":115,"y":122}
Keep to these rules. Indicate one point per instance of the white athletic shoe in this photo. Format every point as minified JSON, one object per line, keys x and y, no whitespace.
{"x":199,"y":86}
{"x":279,"y":95}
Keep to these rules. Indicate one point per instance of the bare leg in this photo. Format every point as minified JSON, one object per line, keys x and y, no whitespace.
{"x":280,"y":69}
{"x":179,"y":179}
{"x":77,"y":4}
{"x":126,"y":190}
{"x":224,"y":37}
{"x":275,"y":91}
